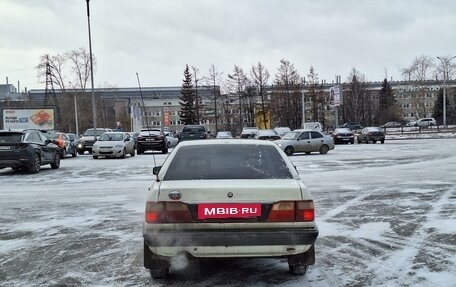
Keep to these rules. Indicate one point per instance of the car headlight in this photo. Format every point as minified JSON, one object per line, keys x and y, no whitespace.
{"x":279,"y":144}
{"x":118,"y":146}
{"x":95,"y":146}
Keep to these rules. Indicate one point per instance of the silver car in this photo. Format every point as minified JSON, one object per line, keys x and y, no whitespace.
{"x":224,"y":198}
{"x":114,"y":144}
{"x":305,"y":141}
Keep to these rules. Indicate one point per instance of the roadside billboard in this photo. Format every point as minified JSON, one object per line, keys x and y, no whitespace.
{"x":29,"y":119}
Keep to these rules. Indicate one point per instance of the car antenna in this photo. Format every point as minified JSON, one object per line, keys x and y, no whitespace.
{"x":145,"y":114}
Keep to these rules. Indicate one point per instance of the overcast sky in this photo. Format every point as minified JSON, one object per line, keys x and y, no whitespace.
{"x":157,"y":38}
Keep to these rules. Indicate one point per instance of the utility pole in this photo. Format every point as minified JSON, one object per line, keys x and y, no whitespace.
{"x":94,"y":110}
{"x":49,"y":91}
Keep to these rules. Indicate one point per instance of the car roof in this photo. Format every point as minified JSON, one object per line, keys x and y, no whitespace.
{"x":305,"y":130}
{"x":209,"y":142}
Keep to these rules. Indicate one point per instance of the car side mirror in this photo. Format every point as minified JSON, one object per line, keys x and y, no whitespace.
{"x":156,"y":170}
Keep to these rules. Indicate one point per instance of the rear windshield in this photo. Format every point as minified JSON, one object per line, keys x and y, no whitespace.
{"x":227,"y":162}
{"x":150,"y":133}
{"x":91,"y":132}
{"x":11,"y":137}
{"x":193,"y":129}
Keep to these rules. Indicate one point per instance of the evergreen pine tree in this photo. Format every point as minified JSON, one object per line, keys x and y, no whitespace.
{"x":437,"y":113}
{"x":387,"y":106}
{"x":187,"y":100}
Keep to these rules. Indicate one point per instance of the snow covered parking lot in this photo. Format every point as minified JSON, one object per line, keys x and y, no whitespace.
{"x":386,"y":215}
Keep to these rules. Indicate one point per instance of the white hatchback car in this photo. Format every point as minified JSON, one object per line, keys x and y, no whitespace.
{"x":425,"y":122}
{"x":114,"y":144}
{"x":222,"y":198}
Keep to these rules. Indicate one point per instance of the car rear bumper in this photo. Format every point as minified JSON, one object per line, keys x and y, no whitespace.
{"x":150,"y":145}
{"x":25,"y":162}
{"x":234,"y":237}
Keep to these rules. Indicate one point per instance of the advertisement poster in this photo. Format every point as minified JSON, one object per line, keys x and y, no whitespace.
{"x":28,"y":119}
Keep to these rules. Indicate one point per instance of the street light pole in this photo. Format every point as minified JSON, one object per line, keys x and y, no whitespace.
{"x":445,"y":63}
{"x":94,"y":110}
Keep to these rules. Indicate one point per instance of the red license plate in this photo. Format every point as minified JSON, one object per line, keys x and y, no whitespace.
{"x":228,"y":210}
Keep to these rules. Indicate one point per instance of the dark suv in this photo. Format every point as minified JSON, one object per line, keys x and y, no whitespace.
{"x":27,"y":150}
{"x":192,"y":132}
{"x":151,"y":139}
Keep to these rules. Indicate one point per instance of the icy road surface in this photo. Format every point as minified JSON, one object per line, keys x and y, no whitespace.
{"x":386,"y":215}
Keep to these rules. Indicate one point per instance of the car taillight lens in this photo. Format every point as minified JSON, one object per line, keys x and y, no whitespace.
{"x":305,"y":210}
{"x":282,"y":211}
{"x":167,"y":212}
{"x":292,"y":211}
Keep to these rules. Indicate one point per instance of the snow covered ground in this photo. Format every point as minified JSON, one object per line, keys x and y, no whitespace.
{"x":386,"y":215}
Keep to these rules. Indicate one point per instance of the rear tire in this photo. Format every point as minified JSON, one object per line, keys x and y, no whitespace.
{"x":62,"y":153}
{"x":299,"y":263}
{"x":298,"y":269}
{"x":36,"y":164}
{"x":133,"y":152}
{"x":56,"y":163}
{"x":81,"y":152}
{"x":324,"y":149}
{"x":382,"y":141}
{"x":95,"y":157}
{"x":289,"y":150}
{"x":158,"y":265}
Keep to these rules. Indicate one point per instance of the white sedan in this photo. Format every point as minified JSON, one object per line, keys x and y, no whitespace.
{"x":224,"y":198}
{"x":114,"y":144}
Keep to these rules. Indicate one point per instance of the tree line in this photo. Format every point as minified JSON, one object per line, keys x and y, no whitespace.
{"x":252,"y":97}
{"x":259,"y":100}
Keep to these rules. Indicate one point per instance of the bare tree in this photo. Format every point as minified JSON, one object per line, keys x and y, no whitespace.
{"x":238,"y":82}
{"x":260,"y":77}
{"x":358,"y":103}
{"x":319,"y":100}
{"x":57,"y":65}
{"x":286,"y":99}
{"x":420,"y":70}
{"x":80,"y":66}
{"x":214,"y":80}
{"x":60,"y":71}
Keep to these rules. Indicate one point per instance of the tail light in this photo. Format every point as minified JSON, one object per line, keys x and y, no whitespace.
{"x":167,"y":212}
{"x":292,"y":211}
